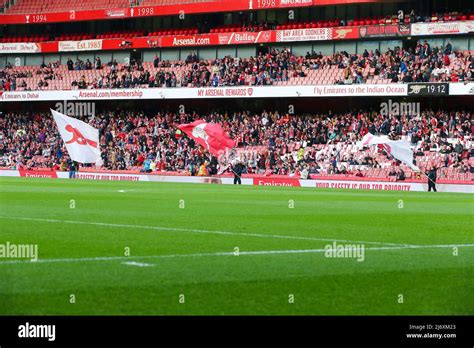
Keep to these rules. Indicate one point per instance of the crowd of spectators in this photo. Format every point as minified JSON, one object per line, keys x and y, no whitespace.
{"x":421,"y":64}
{"x":267,"y":142}
{"x":130,"y":76}
{"x":261,"y":70}
{"x":12,"y":80}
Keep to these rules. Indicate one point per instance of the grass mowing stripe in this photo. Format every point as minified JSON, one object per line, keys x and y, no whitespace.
{"x":161,"y":228}
{"x":227,"y":253}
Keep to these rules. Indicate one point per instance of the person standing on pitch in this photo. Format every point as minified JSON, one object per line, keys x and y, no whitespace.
{"x":237,"y":169}
{"x":432,"y":178}
{"x":73,"y":167}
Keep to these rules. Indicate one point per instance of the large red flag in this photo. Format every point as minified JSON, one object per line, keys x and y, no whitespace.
{"x":210,"y":135}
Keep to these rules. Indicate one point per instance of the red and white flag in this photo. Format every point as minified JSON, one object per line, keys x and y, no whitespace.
{"x":209,"y":135}
{"x":400,"y":149}
{"x":81,"y":139}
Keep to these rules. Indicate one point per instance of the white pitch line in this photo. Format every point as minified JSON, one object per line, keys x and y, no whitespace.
{"x":137,"y":264}
{"x":161,"y":228}
{"x":228,"y":253}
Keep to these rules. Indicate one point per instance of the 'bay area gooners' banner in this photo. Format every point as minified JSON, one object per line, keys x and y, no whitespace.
{"x":81,"y":139}
{"x":313,"y":34}
{"x":209,"y":135}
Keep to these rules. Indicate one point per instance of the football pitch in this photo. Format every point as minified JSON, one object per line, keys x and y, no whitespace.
{"x":137,"y":248}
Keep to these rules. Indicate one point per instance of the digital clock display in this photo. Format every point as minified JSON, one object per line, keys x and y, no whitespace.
{"x":428,"y":89}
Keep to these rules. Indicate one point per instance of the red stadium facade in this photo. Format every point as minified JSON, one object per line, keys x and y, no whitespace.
{"x":26,"y":12}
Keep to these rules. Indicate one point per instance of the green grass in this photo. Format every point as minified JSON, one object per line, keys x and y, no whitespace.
{"x":432,"y":281}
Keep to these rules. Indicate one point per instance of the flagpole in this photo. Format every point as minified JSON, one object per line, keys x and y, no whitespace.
{"x":235,"y":173}
{"x":428,"y":177}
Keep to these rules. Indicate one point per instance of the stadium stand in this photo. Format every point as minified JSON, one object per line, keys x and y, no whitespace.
{"x":34,"y":6}
{"x":30,"y":38}
{"x":171,"y":2}
{"x":268,"y":143}
{"x":278,"y":147}
{"x":242,"y":27}
{"x":119,"y":34}
{"x":3,"y":5}
{"x":280,"y":67}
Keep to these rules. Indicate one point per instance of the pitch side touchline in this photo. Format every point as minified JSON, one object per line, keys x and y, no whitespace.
{"x":160,"y":228}
{"x":241,"y":253}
